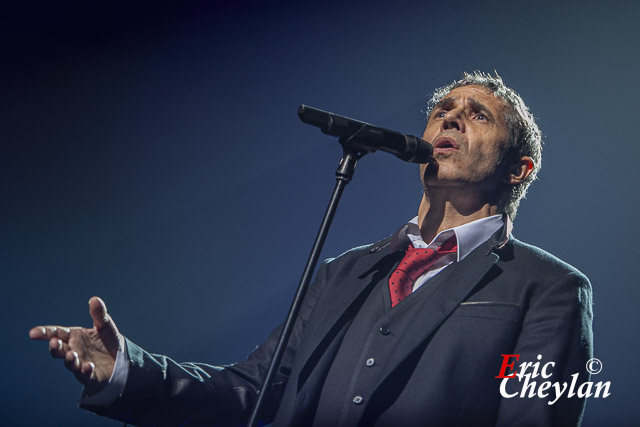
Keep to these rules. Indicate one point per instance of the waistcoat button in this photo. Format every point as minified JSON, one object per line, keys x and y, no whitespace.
{"x":370,"y":362}
{"x":384,"y":330}
{"x":357,"y":400}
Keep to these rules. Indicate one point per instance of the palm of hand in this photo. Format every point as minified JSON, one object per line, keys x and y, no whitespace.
{"x":90,"y":353}
{"x":98,"y":346}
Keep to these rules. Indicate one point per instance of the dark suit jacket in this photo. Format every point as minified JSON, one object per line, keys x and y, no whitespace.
{"x":516,"y":299}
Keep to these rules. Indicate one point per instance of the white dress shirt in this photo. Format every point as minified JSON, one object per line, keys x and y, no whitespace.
{"x":468,"y":236}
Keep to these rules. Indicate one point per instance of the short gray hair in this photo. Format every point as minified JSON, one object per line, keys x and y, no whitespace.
{"x":525,"y":139}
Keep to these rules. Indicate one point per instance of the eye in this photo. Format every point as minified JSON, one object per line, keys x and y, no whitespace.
{"x":481,"y":117}
{"x":440,"y":114}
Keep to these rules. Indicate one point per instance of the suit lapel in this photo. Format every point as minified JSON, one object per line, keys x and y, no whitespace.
{"x":338,"y":300}
{"x":376,"y":266}
{"x":449,"y":289}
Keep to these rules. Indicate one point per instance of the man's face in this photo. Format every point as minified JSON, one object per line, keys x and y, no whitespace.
{"x":468,"y":132}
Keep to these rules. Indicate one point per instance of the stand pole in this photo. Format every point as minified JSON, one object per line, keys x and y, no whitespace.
{"x":343,"y":177}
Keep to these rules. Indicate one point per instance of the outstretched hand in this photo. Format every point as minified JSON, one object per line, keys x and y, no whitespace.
{"x":89,"y":353}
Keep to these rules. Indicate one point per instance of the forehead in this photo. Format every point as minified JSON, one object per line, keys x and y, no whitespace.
{"x":475,"y":93}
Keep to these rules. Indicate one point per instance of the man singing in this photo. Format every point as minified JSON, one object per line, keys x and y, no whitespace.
{"x":413,"y":330}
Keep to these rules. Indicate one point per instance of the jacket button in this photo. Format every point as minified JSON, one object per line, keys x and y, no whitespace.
{"x":384,"y":330}
{"x":357,"y":400}
{"x":370,"y":362}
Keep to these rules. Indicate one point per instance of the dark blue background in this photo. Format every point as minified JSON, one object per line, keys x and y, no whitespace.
{"x":146,"y":147}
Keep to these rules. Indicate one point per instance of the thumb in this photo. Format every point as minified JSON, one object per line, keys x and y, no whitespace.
{"x":98,"y":312}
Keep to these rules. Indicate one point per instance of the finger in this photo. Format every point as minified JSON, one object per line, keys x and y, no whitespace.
{"x":61,"y":332}
{"x":87,"y":370}
{"x":38,"y":333}
{"x":98,"y":312}
{"x":48,"y":332}
{"x":58,"y":348}
{"x":72,"y":361}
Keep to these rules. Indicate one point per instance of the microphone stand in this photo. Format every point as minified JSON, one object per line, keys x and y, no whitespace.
{"x":346,"y":168}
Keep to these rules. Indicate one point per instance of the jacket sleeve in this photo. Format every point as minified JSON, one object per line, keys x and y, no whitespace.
{"x":162,"y":392}
{"x":557,"y":327}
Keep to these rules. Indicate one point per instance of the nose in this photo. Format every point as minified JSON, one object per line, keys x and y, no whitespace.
{"x":453,"y":120}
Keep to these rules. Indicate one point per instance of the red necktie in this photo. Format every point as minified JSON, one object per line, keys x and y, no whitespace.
{"x":414,"y":264}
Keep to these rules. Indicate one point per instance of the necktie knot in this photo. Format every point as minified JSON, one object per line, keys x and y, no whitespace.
{"x":414,"y":264}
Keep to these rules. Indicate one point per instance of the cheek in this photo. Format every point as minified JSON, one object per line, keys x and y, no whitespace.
{"x":494,"y":155}
{"x":430,"y":132}
{"x":487,"y":162}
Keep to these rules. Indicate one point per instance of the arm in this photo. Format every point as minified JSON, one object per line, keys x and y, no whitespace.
{"x":160,"y":391}
{"x":557,"y":325}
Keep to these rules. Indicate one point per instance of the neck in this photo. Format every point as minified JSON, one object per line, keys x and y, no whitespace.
{"x":440,"y":211}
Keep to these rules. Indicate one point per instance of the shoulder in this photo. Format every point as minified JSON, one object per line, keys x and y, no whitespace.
{"x":350,"y":258}
{"x":346,"y":267}
{"x":554,"y":290}
{"x":537,"y":261}
{"x":358,"y":252}
{"x":545,"y":276}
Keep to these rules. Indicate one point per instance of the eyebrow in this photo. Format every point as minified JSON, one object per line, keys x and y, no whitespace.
{"x":476,"y":105}
{"x":479,"y":106}
{"x":445,"y":102}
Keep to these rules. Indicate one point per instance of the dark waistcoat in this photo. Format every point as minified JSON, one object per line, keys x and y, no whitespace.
{"x":365,"y":345}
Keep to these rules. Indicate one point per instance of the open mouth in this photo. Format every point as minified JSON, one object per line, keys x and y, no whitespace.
{"x":444,"y":144}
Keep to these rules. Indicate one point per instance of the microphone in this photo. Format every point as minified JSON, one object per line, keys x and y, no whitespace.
{"x":367,"y":138}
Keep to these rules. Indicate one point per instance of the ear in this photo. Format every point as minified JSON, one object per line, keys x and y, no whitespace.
{"x":519,"y":171}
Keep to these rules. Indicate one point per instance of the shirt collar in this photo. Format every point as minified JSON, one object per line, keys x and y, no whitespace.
{"x":469,"y":235}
